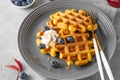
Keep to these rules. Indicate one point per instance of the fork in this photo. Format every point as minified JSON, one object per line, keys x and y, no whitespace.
{"x":100,"y":56}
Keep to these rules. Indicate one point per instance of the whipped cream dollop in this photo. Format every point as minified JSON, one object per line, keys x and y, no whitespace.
{"x":49,"y":38}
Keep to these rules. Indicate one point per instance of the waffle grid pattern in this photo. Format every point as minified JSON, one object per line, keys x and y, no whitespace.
{"x":71,"y":23}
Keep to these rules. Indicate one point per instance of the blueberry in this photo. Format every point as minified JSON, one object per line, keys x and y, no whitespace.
{"x":70,"y":39}
{"x":55,"y":64}
{"x":41,"y":46}
{"x":23,"y":75}
{"x":46,"y":28}
{"x":29,"y":1}
{"x":18,"y":3}
{"x":24,"y":3}
{"x":60,"y":41}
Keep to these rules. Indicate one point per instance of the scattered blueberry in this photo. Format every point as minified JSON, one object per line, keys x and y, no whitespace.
{"x":55,"y":64}
{"x":24,"y":3}
{"x":41,"y":46}
{"x":46,"y":28}
{"x":19,"y":3}
{"x":70,"y":39}
{"x":60,"y":41}
{"x":23,"y":75}
{"x":29,"y":1}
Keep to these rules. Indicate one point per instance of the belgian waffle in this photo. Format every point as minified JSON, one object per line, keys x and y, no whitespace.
{"x":76,"y":24}
{"x":81,"y":50}
{"x":71,"y":18}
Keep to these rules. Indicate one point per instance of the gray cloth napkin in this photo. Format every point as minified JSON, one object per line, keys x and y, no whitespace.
{"x":104,"y":7}
{"x":110,"y":12}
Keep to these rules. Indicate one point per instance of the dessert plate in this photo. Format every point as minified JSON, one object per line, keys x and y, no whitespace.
{"x":39,"y":62}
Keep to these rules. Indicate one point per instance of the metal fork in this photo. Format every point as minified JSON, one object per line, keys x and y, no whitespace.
{"x":100,"y":57}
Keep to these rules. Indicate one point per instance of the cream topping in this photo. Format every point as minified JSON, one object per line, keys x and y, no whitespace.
{"x":49,"y":38}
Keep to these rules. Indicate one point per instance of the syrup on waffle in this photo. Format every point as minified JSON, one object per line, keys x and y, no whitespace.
{"x":75,"y":24}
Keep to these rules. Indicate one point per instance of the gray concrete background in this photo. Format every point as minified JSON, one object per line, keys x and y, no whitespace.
{"x":10,"y":20}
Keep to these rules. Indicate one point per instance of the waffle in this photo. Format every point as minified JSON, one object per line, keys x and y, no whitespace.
{"x":72,"y":20}
{"x":71,"y":23}
{"x":81,"y":50}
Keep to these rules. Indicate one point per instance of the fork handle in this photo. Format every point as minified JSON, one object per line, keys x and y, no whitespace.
{"x":98,"y":60}
{"x":106,"y":65}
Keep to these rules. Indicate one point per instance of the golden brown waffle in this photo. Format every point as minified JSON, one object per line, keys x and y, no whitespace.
{"x":81,"y":50}
{"x":75,"y":24}
{"x":71,"y":19}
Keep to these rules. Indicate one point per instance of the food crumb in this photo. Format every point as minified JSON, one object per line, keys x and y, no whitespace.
{"x":49,"y":68}
{"x":48,"y":59}
{"x":67,"y":68}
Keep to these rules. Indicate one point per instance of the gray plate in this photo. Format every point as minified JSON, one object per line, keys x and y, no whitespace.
{"x":37,"y":18}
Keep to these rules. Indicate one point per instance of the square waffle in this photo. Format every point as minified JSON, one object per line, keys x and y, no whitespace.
{"x":71,"y":19}
{"x":75,"y":24}
{"x":81,"y":50}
